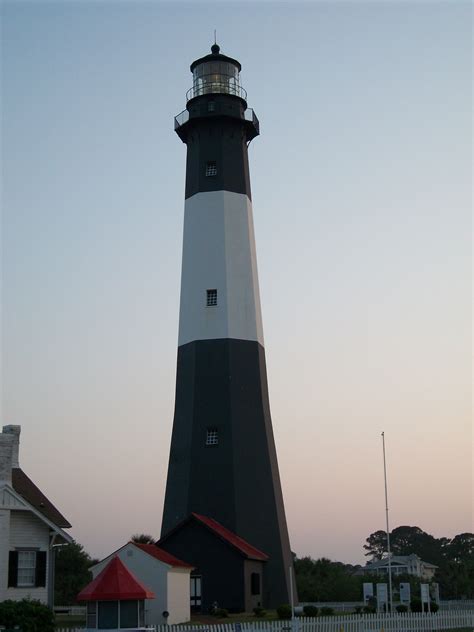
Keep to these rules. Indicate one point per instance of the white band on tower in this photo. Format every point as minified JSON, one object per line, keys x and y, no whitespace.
{"x":219,"y":255}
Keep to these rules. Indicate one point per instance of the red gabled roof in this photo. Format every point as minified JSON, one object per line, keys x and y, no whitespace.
{"x":237,"y":542}
{"x":161,"y":555}
{"x":115,"y":582}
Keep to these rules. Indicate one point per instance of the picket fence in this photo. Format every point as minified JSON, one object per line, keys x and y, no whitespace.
{"x":405,"y":622}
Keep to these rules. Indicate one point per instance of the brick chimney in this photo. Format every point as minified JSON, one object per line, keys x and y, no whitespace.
{"x":6,"y":458}
{"x":14,"y":431}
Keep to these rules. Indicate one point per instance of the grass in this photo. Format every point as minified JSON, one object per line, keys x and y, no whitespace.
{"x":241,"y":617}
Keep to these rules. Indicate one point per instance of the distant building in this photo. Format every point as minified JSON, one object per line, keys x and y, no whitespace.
{"x":165,"y":575}
{"x":402,"y":565}
{"x":30,"y":527}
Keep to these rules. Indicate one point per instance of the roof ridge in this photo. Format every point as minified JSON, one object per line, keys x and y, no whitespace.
{"x":232,"y":538}
{"x":161,"y":554}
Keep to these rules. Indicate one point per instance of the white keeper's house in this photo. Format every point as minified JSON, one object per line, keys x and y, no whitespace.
{"x":30,"y":527}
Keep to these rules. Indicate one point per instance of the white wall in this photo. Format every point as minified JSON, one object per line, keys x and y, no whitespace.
{"x":4,"y":547}
{"x":219,"y":253}
{"x":26,"y":530}
{"x":154,"y":575}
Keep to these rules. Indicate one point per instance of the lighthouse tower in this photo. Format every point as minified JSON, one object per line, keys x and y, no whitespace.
{"x":223,"y":463}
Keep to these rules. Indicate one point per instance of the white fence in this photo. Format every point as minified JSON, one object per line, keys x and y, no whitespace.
{"x":409,"y":622}
{"x":459,"y":604}
{"x":148,"y":629}
{"x":75,"y":611}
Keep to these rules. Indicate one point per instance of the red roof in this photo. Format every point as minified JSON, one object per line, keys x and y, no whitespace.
{"x":239,"y":543}
{"x":161,"y":555}
{"x":115,"y":582}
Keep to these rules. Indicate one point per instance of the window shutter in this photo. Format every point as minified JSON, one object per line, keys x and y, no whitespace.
{"x":40,"y":568}
{"x":13,"y":569}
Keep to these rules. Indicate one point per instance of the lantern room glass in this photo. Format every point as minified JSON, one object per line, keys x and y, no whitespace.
{"x":216,"y":77}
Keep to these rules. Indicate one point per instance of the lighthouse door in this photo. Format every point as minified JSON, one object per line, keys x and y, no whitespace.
{"x":196,"y":593}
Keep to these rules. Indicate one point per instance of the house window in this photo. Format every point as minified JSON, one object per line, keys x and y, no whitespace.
{"x":211,"y":298}
{"x":212,"y":438}
{"x":211,"y":168}
{"x":255,"y":583}
{"x":26,"y":568}
{"x":128,"y":614}
{"x":108,"y":615}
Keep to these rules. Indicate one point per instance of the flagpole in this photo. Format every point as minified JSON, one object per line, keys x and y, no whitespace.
{"x":388,"y":529}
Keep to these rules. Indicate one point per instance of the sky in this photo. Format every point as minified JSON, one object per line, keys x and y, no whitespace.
{"x":361,"y":186}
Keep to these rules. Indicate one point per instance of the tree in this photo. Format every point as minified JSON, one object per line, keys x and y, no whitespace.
{"x":324,"y":580}
{"x":376,"y":544}
{"x":405,"y":540}
{"x":456,"y":573}
{"x":454,"y":557}
{"x":461,"y":548}
{"x":71,"y":573}
{"x":143,"y":538}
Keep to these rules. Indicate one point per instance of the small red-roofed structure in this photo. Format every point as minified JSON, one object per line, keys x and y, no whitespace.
{"x":150,"y":571}
{"x":115,"y":598}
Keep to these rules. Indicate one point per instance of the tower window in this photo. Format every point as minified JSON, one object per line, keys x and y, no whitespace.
{"x":211,"y":168}
{"x":211,"y":106}
{"x":212,"y":438}
{"x":211,"y":298}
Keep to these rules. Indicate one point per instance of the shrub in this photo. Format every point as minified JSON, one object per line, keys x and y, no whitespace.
{"x":401,"y":608}
{"x":221,"y":613}
{"x":326,"y":611}
{"x":284,"y":611}
{"x":369,"y":610}
{"x":358,"y":609}
{"x":310,"y":611}
{"x":259,"y":612}
{"x":415,"y":605}
{"x":28,"y":615}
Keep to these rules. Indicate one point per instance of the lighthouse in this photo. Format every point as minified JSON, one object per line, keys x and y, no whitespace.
{"x":223,"y":464}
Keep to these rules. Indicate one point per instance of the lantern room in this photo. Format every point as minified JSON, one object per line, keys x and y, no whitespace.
{"x":216,"y":74}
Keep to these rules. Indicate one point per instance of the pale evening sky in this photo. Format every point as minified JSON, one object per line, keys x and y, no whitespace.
{"x":361,"y":183}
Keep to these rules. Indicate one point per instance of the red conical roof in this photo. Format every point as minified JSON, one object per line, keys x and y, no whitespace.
{"x":115,"y":582}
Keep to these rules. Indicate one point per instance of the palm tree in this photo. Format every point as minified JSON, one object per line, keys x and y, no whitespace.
{"x":143,"y":538}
